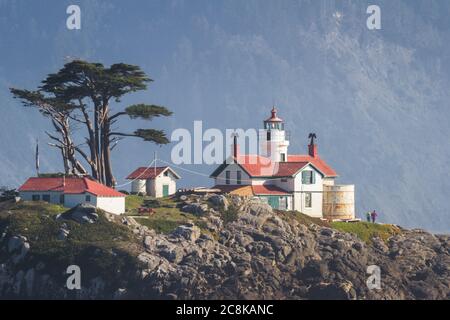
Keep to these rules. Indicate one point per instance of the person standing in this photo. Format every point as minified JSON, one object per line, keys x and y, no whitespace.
{"x":374,"y":215}
{"x":368,"y":216}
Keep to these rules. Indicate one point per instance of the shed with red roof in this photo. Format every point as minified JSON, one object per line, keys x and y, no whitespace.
{"x":71,"y":191}
{"x":154,"y":181}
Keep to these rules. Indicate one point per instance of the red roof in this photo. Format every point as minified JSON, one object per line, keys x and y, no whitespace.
{"x":268,"y":190}
{"x":317,"y":162}
{"x":70,"y":185}
{"x":144,"y":173}
{"x":259,"y":166}
{"x":287,"y":169}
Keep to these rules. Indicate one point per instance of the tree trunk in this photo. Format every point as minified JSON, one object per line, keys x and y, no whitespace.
{"x":105,"y":146}
{"x":65,"y":160}
{"x":75,"y":167}
{"x":110,"y":180}
{"x":93,"y":161}
{"x":96,"y":143}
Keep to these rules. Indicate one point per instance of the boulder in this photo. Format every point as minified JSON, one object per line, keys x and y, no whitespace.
{"x":332,"y":291}
{"x":63,"y":234}
{"x":195,"y":208}
{"x":327,"y":232}
{"x":15,"y":243}
{"x":214,"y":223}
{"x":23,"y":252}
{"x":188,"y":232}
{"x":314,"y":270}
{"x":172,"y":253}
{"x":150,"y":261}
{"x":82,"y":213}
{"x":149,"y":242}
{"x":220,"y":201}
{"x":120,"y":294}
{"x":29,"y":282}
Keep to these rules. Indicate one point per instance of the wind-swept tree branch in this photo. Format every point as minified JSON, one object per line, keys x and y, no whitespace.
{"x":84,"y":92}
{"x":58,"y":111}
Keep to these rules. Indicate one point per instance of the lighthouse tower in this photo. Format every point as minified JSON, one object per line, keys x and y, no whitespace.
{"x":272,"y":139}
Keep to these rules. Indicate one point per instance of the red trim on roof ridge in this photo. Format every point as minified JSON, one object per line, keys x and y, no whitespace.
{"x":259,"y":166}
{"x":145,"y":173}
{"x":69,"y":185}
{"x":317,"y":162}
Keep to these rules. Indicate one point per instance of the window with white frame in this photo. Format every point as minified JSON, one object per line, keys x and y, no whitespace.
{"x":308,"y":177}
{"x":308,"y":200}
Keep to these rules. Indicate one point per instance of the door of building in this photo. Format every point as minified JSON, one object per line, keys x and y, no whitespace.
{"x":274,"y":201}
{"x":165,"y":190}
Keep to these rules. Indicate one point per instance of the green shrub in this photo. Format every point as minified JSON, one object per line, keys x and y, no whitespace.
{"x":301,"y":218}
{"x":160,"y":225}
{"x":229,"y":215}
{"x":133,"y":202}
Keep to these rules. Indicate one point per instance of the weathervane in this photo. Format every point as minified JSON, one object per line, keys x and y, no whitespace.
{"x":312,"y":136}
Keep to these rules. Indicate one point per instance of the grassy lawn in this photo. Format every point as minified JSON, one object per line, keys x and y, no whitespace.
{"x":160,"y":225}
{"x":366,"y":230}
{"x":133,"y":202}
{"x":99,"y":248}
{"x":167,"y":216}
{"x":301,"y":218}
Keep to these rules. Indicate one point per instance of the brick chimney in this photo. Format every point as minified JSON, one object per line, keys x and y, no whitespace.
{"x":312,"y":147}
{"x":312,"y":150}
{"x":235,"y":148}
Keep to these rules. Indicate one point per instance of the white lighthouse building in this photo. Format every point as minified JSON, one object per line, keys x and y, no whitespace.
{"x":272,"y":140}
{"x":304,"y":183}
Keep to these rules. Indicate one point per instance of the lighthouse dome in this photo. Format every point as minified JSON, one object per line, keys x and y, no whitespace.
{"x":273,"y":116}
{"x":274,"y":122}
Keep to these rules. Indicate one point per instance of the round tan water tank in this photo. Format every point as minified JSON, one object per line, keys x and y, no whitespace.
{"x":138,"y":186}
{"x":339,"y":202}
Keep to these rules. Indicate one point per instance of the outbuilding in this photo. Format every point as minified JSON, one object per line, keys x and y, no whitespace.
{"x":72,"y":191}
{"x":154,"y":181}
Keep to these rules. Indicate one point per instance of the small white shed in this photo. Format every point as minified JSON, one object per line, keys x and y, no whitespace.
{"x":154,"y":181}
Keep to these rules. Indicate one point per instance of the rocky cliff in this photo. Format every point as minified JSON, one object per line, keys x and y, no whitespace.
{"x":237,"y":249}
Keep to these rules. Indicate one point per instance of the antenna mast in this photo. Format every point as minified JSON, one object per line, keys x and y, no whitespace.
{"x":154,"y":161}
{"x":37,"y":157}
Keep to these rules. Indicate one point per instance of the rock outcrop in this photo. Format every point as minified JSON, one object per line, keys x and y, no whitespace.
{"x":82,"y":213}
{"x":259,"y":255}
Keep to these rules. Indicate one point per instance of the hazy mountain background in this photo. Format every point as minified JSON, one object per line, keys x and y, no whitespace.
{"x":378,"y":100}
